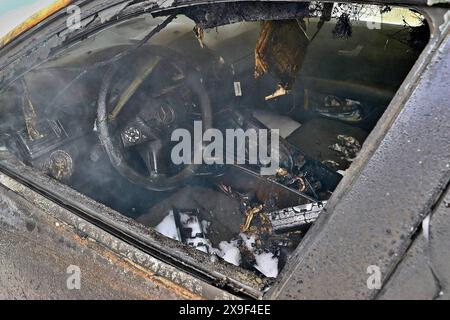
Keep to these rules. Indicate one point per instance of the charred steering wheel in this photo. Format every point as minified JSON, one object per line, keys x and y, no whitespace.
{"x":135,"y":115}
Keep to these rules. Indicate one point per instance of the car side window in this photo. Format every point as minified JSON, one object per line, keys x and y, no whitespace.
{"x":227,"y":132}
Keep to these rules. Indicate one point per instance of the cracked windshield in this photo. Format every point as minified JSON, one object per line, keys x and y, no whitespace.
{"x":223,"y":127}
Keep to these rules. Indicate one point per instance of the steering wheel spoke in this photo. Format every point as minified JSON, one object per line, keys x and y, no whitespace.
{"x":154,"y":155}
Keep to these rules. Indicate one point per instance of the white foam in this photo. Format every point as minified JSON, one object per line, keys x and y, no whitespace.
{"x":267,"y":264}
{"x":168,"y":227}
{"x":230,"y":252}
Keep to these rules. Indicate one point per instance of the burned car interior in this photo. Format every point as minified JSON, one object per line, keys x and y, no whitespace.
{"x":99,"y":116}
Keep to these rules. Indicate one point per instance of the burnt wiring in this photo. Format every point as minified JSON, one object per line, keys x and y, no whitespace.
{"x":67,"y":87}
{"x":413,"y":36}
{"x":29,"y":113}
{"x":113,"y":59}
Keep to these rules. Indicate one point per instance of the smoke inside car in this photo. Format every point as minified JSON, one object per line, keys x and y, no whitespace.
{"x":101,"y":116}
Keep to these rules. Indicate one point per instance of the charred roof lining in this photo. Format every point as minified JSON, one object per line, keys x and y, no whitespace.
{"x":219,"y":14}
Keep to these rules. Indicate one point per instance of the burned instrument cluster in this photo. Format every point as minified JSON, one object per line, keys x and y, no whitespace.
{"x":49,"y":138}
